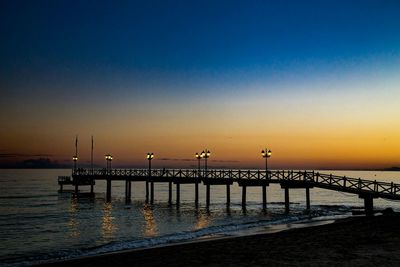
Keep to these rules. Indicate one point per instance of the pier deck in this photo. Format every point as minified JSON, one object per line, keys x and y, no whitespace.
{"x":366,"y":189}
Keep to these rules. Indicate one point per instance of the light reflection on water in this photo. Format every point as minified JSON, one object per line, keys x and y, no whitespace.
{"x":108,"y":227}
{"x":36,"y":220}
{"x":203,"y":220}
{"x":150,"y":224}
{"x":73,"y":223}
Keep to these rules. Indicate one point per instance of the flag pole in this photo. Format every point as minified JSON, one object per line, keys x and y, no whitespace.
{"x":76,"y":146}
{"x":91,"y":157}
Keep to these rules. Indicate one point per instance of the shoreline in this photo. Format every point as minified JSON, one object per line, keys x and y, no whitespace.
{"x":326,"y":244}
{"x":270,"y":227}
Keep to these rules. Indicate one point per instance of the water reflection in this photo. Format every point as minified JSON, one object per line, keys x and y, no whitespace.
{"x":73,"y":223}
{"x":203,"y":219}
{"x":150,"y":227}
{"x":108,"y":227}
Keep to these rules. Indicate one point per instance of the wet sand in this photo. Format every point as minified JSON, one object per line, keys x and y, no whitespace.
{"x":356,"y":241}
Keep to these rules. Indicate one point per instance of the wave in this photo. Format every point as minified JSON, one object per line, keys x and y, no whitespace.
{"x":185,"y":236}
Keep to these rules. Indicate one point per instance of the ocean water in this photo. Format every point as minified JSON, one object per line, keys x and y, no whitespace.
{"x":38,"y":224}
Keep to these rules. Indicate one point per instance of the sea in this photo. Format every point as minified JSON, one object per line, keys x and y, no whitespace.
{"x":38,"y":224}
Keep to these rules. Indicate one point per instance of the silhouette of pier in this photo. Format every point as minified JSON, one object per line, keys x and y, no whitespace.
{"x":365,"y":189}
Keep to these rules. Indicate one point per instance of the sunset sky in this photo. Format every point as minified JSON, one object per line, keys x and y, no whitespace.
{"x":317,"y":82}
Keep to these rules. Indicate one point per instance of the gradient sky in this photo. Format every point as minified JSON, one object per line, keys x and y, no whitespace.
{"x":317,"y":82}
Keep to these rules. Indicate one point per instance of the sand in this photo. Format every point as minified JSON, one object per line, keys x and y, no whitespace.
{"x":357,"y":241}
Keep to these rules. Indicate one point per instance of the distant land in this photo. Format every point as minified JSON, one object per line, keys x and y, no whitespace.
{"x":46,"y":163}
{"x":41,"y":163}
{"x":392,"y":169}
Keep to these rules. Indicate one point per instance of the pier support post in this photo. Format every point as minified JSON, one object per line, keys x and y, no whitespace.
{"x":368,"y":205}
{"x":147,"y":191}
{"x":92,"y":188}
{"x":286,"y":200}
{"x":130,"y":191}
{"x":61,"y":188}
{"x":308,"y":198}
{"x":169,"y":193}
{"x":228,"y":194}
{"x":76,"y":189}
{"x":244,"y":197}
{"x":207,"y":196}
{"x":196,"y":194}
{"x":264,"y":197}
{"x":151,"y":193}
{"x":178,"y":194}
{"x":127,"y":191}
{"x":108,"y":193}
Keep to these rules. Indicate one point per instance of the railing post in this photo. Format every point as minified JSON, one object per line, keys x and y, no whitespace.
{"x":375,"y":186}
{"x":391,"y":188}
{"x":344,"y":181}
{"x":359,"y":183}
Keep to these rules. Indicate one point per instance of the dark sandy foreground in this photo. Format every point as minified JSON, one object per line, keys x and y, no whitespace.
{"x":350,"y":242}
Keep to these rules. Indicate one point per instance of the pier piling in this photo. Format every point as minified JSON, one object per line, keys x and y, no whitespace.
{"x":228,"y":194}
{"x":207,"y":195}
{"x":170,"y":193}
{"x":127,"y":191}
{"x":286,"y":199}
{"x":368,"y":204}
{"x":264,"y":196}
{"x":308,"y":198}
{"x":147,"y":191}
{"x":196,"y":194}
{"x":152,"y":193}
{"x":244,"y":197}
{"x":178,"y":194}
{"x":108,"y":193}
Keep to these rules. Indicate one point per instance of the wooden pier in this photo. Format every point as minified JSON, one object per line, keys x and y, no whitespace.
{"x":365,"y":189}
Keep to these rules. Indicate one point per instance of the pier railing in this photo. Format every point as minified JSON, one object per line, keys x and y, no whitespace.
{"x":307,"y":178}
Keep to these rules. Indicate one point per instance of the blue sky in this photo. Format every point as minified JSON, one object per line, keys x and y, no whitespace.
{"x":185,"y":39}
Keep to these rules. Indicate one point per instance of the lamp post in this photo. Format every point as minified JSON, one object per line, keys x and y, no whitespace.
{"x":108,"y":159}
{"x":108,"y":170}
{"x":149,"y":157}
{"x":198,"y":157}
{"x":205,"y":154}
{"x":75,"y":159}
{"x":266,"y":154}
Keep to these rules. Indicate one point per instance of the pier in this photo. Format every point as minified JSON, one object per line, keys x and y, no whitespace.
{"x":287,"y":179}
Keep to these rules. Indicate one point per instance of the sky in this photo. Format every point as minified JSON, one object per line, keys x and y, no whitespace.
{"x":317,"y":82}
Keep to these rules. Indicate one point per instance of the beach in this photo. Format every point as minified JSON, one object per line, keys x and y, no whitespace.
{"x":355,"y":241}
